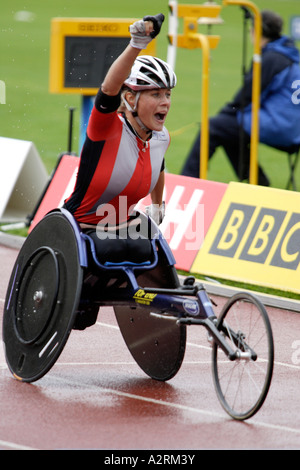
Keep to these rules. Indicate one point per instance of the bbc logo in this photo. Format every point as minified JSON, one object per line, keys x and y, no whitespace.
{"x":2,"y":92}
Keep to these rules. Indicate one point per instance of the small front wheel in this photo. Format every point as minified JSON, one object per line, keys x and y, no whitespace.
{"x":242,"y":384}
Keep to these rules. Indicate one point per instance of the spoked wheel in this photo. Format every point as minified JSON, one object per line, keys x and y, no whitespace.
{"x":242,"y":384}
{"x":42,"y":298}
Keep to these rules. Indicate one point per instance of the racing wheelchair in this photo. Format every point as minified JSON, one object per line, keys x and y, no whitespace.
{"x":59,"y":284}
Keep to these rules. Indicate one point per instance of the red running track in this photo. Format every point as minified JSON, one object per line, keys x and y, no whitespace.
{"x":96,"y":397}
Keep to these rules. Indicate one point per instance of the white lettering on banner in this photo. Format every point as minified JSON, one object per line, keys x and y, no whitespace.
{"x":296,"y":94}
{"x":183,"y":216}
{"x":69,"y":188}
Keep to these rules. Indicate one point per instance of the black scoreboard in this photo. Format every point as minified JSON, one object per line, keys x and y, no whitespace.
{"x":82,"y":50}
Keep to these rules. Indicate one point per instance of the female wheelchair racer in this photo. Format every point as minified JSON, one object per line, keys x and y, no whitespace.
{"x":58,"y":284}
{"x":66,"y":269}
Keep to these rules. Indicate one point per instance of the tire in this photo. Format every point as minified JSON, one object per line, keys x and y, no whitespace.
{"x":242,"y":384}
{"x":42,"y":298}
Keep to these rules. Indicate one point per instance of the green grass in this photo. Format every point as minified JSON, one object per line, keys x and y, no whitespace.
{"x":242,"y":285}
{"x":32,"y":113}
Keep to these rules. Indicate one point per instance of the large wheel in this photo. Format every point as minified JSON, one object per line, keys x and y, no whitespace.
{"x":157,"y":345}
{"x":242,"y":384}
{"x":42,"y":297}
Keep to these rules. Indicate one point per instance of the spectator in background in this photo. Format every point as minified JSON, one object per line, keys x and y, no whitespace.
{"x":279,"y":115}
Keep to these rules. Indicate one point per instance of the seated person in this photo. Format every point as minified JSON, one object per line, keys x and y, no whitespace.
{"x":279,"y":115}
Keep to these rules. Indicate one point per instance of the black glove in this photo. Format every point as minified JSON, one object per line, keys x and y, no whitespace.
{"x":157,"y":21}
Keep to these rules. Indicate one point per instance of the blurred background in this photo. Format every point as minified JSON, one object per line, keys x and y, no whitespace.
{"x":34,"y":114}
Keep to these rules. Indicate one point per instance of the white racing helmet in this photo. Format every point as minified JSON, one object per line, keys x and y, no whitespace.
{"x":150,"y":72}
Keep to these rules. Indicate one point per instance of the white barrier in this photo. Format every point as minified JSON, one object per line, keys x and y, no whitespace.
{"x":23,"y":177}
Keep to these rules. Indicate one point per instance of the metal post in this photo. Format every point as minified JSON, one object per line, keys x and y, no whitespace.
{"x":173,"y":27}
{"x":256,"y":74}
{"x":190,"y":39}
{"x":204,"y":145}
{"x":70,"y":129}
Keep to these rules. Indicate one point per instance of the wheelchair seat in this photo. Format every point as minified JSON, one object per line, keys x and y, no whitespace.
{"x":112,"y":247}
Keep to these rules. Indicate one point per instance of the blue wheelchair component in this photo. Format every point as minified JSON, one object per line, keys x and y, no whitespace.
{"x":58,"y":284}
{"x":129,"y":268}
{"x":53,"y":269}
{"x":82,"y":253}
{"x":108,"y":265}
{"x":126,"y":263}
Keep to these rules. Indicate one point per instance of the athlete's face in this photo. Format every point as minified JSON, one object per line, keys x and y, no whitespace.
{"x":153,"y":107}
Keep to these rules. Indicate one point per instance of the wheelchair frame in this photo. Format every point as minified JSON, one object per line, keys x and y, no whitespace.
{"x":144,"y":296}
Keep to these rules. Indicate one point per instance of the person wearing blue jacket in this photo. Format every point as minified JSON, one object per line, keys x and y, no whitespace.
{"x":279,"y":106}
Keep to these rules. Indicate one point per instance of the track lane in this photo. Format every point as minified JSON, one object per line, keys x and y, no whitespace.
{"x":96,"y":397}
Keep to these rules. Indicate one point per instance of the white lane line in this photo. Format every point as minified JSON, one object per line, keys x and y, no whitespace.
{"x":118,"y":363}
{"x":162,"y":403}
{"x":200,"y":346}
{"x":13,"y":445}
{"x":177,"y":406}
{"x":115,"y":327}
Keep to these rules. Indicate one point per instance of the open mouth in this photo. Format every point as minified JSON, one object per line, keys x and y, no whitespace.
{"x":160,"y":117}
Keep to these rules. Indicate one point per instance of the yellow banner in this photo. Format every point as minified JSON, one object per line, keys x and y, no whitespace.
{"x":254,"y":238}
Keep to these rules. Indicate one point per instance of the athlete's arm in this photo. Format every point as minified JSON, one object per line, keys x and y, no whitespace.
{"x":157,"y":209}
{"x":142,"y":32}
{"x":157,"y":192}
{"x":121,"y":68}
{"x":119,"y":71}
